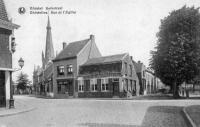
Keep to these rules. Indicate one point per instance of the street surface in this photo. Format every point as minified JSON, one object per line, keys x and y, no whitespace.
{"x":99,"y":113}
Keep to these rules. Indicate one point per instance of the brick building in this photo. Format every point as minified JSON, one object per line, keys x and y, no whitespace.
{"x":66,"y":65}
{"x":7,"y":47}
{"x":149,"y":83}
{"x":60,"y":76}
{"x":108,"y":76}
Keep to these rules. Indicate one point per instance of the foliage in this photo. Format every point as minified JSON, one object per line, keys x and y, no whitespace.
{"x":22,"y":81}
{"x":177,"y":55}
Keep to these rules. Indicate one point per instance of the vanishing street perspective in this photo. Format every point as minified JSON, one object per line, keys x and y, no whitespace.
{"x":100,"y":63}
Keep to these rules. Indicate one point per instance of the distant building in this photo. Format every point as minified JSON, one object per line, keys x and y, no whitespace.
{"x":149,"y":83}
{"x":7,"y":47}
{"x":43,"y":76}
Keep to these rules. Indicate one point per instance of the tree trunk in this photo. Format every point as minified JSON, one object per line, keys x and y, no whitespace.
{"x":175,"y":90}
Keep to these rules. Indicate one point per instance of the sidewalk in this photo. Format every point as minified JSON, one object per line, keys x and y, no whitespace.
{"x":19,"y":108}
{"x":193,"y":115}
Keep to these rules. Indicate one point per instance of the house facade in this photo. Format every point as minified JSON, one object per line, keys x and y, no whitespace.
{"x":66,"y":66}
{"x":108,"y":76}
{"x":7,"y":47}
{"x":141,"y":73}
{"x":149,"y":83}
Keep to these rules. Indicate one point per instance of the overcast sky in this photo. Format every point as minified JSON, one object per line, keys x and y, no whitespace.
{"x":118,"y":25}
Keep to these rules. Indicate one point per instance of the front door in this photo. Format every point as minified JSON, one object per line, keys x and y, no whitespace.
{"x":69,"y":87}
{"x":2,"y":89}
{"x":115,"y":88}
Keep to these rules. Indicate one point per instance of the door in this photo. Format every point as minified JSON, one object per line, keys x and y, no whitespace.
{"x":69,"y":87}
{"x":2,"y":89}
{"x":115,"y":88}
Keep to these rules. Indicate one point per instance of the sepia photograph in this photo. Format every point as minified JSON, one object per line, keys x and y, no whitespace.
{"x":99,"y":63}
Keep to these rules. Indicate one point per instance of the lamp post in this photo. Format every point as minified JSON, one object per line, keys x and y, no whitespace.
{"x":11,"y":101}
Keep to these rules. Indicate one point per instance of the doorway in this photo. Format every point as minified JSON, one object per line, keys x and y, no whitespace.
{"x":115,"y":88}
{"x":2,"y":89}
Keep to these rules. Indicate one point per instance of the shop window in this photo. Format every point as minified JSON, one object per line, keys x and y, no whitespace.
{"x":104,"y":84}
{"x":69,"y":69}
{"x":80,"y":86}
{"x":60,"y":70}
{"x":93,"y":83}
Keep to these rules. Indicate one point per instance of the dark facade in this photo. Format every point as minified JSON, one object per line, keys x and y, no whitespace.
{"x":7,"y":47}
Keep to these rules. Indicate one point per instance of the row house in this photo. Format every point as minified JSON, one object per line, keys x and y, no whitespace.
{"x":7,"y":47}
{"x":149,"y":83}
{"x":66,"y":66}
{"x":108,"y":76}
{"x":80,"y":70}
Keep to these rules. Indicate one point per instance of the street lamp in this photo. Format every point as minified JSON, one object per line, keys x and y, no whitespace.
{"x":21,"y":64}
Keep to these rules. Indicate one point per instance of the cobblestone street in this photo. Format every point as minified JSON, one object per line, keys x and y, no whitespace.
{"x":98,"y":113}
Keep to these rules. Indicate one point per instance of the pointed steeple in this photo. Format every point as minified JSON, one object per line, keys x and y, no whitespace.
{"x":49,"y":52}
{"x":43,"y":60}
{"x":3,"y":13}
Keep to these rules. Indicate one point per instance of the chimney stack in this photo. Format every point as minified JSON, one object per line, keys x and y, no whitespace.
{"x":131,"y":57}
{"x":64,"y":44}
{"x":92,"y":38}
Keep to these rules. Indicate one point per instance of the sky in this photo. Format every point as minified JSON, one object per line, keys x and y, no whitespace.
{"x":119,"y":26}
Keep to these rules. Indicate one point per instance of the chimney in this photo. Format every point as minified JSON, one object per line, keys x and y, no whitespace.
{"x":131,"y":57}
{"x":64,"y":44}
{"x":92,"y":38}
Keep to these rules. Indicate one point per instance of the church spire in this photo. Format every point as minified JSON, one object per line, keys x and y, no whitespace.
{"x":49,"y":52}
{"x":43,"y":60}
{"x":3,"y":13}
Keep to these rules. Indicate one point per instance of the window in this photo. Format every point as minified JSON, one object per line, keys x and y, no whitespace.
{"x":104,"y":84}
{"x":93,"y":83}
{"x":70,"y":69}
{"x":80,"y":85}
{"x":60,"y":70}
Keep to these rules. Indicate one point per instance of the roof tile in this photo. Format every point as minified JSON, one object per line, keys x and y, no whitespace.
{"x":105,"y":59}
{"x":71,"y":50}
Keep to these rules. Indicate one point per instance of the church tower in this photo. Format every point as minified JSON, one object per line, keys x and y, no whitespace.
{"x":49,"y":51}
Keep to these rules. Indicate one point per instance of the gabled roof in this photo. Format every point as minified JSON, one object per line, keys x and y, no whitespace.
{"x":105,"y":59}
{"x":3,"y":13}
{"x":71,"y":50}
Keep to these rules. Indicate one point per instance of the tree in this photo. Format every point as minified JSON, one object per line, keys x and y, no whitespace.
{"x":177,"y":55}
{"x":22,"y":81}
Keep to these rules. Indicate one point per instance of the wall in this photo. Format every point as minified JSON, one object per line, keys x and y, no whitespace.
{"x":5,"y":54}
{"x":56,"y":77}
{"x":127,"y":59}
{"x":89,"y":51}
